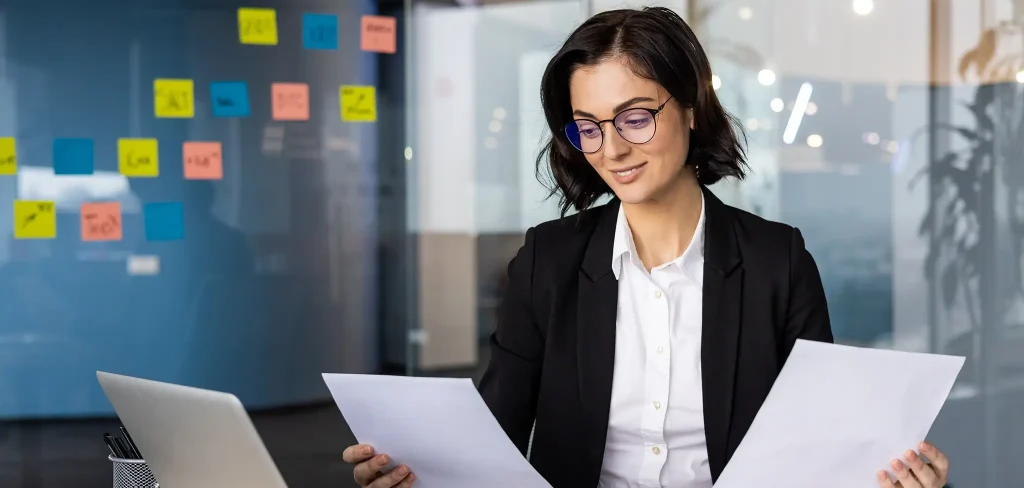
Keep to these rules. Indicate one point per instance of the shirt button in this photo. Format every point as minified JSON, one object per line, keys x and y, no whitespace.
{"x":657,"y":293}
{"x":656,"y":450}
{"x":657,"y":405}
{"x":659,"y":350}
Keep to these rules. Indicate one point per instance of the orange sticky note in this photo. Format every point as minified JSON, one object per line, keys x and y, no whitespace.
{"x":101,"y":221}
{"x":202,"y":160}
{"x":290,"y":101}
{"x":378,"y":34}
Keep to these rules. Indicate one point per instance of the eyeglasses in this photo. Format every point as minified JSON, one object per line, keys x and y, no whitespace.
{"x":635,"y":125}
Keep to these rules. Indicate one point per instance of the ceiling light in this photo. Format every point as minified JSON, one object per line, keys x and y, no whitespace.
{"x":716,"y":82}
{"x":746,"y":13}
{"x":812,"y":108}
{"x":1020,"y":77}
{"x":863,"y":7}
{"x":766,"y":77}
{"x":814,"y":140}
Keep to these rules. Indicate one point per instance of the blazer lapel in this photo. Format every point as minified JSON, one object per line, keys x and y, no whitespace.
{"x":595,"y":340}
{"x":723,"y":279}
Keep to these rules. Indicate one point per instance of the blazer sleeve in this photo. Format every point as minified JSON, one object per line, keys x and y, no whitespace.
{"x":807,"y":315}
{"x":511,"y":382}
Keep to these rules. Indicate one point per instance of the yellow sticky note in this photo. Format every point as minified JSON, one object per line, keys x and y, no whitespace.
{"x":257,"y":26}
{"x":138,"y":158}
{"x":173,"y":98}
{"x":35,"y":219}
{"x":8,"y":156}
{"x":358,"y":103}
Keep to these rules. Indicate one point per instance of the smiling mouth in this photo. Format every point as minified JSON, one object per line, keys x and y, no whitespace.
{"x":628,"y":171}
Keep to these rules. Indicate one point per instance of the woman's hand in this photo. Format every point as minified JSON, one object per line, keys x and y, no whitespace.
{"x":368,"y":469}
{"x":919,"y":474}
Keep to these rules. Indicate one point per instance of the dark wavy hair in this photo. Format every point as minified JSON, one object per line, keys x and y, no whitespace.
{"x":659,"y":46}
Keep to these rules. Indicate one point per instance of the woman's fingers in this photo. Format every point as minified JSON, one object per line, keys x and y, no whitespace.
{"x":923,"y":472}
{"x":884,"y":481}
{"x":906,"y":477}
{"x":357,"y":453}
{"x":940,"y":463}
{"x":393,"y":479}
{"x":370,"y":470}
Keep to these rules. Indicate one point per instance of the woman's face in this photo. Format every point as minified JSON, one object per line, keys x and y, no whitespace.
{"x":636,"y":172}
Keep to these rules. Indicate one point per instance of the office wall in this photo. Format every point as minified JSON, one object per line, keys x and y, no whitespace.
{"x":274,"y":281}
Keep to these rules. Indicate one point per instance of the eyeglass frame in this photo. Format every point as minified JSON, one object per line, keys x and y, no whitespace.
{"x":600,"y":125}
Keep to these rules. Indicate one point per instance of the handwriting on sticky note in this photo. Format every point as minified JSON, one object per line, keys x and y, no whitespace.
{"x":101,"y":221}
{"x":319,"y":31}
{"x":290,"y":101}
{"x":257,"y":26}
{"x":138,"y":158}
{"x":378,"y":34}
{"x":203,"y":160}
{"x":358,"y":103}
{"x":35,"y":219}
{"x":8,"y":156}
{"x":173,"y":98}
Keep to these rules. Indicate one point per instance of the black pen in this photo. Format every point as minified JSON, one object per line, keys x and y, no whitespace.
{"x":124,"y":449}
{"x":131,"y":444}
{"x":110,"y":445}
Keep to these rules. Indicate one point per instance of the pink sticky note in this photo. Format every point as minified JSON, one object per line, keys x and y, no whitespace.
{"x":203,"y":160}
{"x":291,"y":101}
{"x":378,"y":34}
{"x":101,"y":221}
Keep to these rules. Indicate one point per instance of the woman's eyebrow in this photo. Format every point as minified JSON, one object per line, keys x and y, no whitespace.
{"x":618,"y":108}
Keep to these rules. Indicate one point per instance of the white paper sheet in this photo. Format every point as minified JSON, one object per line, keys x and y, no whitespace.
{"x":440,"y":427}
{"x":839,"y":414}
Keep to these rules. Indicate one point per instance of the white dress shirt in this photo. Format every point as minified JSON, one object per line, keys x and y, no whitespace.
{"x":656,"y":421}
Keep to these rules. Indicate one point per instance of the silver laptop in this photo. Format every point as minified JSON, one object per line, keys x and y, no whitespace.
{"x":191,"y":438}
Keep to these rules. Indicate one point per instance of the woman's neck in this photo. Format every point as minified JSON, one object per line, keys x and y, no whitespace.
{"x":663,"y":227}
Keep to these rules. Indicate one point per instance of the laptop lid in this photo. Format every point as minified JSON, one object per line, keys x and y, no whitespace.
{"x":190,"y":437}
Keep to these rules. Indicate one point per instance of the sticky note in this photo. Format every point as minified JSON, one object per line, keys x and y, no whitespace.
{"x":202,"y":160}
{"x":8,"y":156}
{"x":257,"y":26}
{"x":358,"y":103}
{"x":290,"y":101}
{"x":319,"y":31}
{"x":164,"y":221}
{"x":229,"y":99}
{"x":35,"y":219}
{"x":73,"y":156}
{"x":173,"y":98}
{"x":138,"y":158}
{"x":378,"y":34}
{"x":101,"y":221}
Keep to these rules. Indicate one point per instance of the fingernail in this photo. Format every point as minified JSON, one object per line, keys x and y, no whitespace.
{"x":910,"y":455}
{"x":925,"y":446}
{"x":383,"y":459}
{"x":882,"y":475}
{"x":367,"y":451}
{"x":897,"y":465}
{"x":402,"y":471}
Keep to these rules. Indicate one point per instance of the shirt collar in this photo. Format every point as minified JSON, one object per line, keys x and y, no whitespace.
{"x":691,"y":262}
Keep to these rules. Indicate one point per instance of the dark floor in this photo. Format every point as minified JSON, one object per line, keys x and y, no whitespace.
{"x":305,"y":442}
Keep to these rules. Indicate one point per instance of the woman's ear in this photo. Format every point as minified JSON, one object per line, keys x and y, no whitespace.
{"x":689,"y":114}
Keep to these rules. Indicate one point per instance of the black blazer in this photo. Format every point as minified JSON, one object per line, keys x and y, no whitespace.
{"x":552,"y":354}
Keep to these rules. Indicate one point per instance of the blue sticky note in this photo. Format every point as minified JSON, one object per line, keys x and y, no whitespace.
{"x":319,"y":31}
{"x":229,"y":99}
{"x":164,"y":221}
{"x":73,"y":156}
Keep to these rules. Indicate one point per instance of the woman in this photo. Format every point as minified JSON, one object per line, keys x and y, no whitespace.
{"x":639,"y":338}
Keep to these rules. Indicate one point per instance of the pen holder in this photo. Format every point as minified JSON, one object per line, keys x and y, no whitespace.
{"x":132,"y":473}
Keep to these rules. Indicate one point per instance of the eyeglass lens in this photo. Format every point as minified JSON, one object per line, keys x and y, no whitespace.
{"x":635,"y":125}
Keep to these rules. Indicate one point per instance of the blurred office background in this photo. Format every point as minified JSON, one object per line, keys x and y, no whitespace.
{"x":890,"y":131}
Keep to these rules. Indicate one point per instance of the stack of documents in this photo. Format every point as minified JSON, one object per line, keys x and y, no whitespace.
{"x":439,"y":427}
{"x":838,"y":414}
